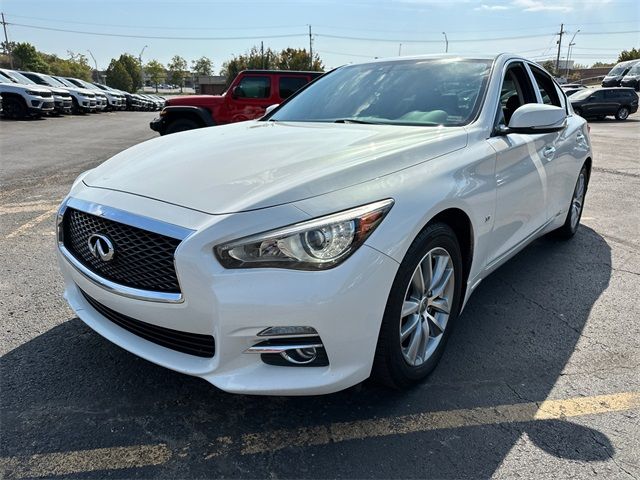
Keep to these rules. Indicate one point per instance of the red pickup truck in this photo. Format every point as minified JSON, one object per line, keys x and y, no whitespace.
{"x":248,"y":96}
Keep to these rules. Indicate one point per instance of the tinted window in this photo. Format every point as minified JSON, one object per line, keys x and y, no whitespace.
{"x":611,"y":94}
{"x":546,"y":86}
{"x":409,"y":92}
{"x":255,"y":87}
{"x":290,"y":85}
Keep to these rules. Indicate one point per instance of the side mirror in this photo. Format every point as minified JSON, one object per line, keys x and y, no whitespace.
{"x":271,"y":108}
{"x":237,"y":92}
{"x":534,"y":118}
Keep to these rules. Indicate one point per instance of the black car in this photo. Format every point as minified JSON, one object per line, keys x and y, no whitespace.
{"x":617,"y":73}
{"x":632,"y":78}
{"x":600,"y":102}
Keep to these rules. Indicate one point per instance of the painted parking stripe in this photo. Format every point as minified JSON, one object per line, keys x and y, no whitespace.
{"x":118,"y":458}
{"x":423,"y":422}
{"x":67,"y":463}
{"x":22,"y":229}
{"x":26,"y":207}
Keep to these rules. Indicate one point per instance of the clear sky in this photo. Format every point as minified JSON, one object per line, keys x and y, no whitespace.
{"x":343,"y":30}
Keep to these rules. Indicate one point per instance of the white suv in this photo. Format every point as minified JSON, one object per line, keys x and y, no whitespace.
{"x":83,"y":100}
{"x":61,"y":97}
{"x":21,"y":101}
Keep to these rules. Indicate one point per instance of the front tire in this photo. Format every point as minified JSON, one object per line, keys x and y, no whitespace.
{"x":14,"y":108}
{"x":572,"y":222}
{"x":423,"y":304}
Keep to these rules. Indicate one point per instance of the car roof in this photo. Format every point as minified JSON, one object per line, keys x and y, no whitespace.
{"x":282,"y":72}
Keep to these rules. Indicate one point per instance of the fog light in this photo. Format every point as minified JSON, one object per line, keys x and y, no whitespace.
{"x":300,"y":356}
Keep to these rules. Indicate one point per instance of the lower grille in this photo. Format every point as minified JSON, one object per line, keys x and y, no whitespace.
{"x":184,"y":342}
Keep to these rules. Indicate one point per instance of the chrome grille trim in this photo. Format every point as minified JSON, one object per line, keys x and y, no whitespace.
{"x":132,"y":220}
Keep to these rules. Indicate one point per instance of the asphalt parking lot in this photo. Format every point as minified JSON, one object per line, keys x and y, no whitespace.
{"x":540,"y":378}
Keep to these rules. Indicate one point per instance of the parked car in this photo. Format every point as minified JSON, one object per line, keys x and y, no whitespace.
{"x":572,"y":86}
{"x":335,"y":238}
{"x":62,"y":102}
{"x":125,"y":96}
{"x":601,"y":102}
{"x":83,"y":100}
{"x":570,"y":91}
{"x":248,"y":96}
{"x":102,"y":102}
{"x":632,"y":78}
{"x":22,"y":101}
{"x":617,"y":73}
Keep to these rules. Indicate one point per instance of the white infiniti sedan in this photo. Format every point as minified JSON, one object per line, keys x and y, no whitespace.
{"x":338,"y":237}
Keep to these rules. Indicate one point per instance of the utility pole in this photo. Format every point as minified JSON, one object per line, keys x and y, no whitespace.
{"x":6,"y":41}
{"x":559,"y":42}
{"x":446,"y":42}
{"x":262,"y":54}
{"x":310,"y":49}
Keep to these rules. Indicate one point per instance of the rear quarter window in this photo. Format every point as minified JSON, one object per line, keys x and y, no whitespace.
{"x":290,"y":85}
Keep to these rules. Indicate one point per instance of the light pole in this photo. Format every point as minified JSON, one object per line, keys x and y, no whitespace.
{"x":571,"y":44}
{"x":400,"y":50}
{"x":446,"y":42}
{"x":96,"y":64}
{"x":141,"y":72}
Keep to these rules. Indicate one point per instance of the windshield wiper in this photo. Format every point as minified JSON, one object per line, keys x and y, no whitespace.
{"x":355,"y":120}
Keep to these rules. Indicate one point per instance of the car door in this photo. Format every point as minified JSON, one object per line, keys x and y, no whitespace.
{"x":613,"y":101}
{"x":251,"y":97}
{"x":559,"y":147}
{"x":595,"y":104}
{"x":521,"y":179}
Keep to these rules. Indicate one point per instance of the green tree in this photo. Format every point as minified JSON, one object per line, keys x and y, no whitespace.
{"x":133,"y":68}
{"x":602,"y":64}
{"x":76,"y":65}
{"x":298,"y":59}
{"x":178,"y":70}
{"x":118,"y":77}
{"x":202,"y":66}
{"x":549,"y":66}
{"x":26,"y":57}
{"x":255,"y":58}
{"x":156,"y":72}
{"x":632,"y":54}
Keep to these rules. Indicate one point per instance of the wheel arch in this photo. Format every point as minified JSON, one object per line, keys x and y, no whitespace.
{"x":200,"y":115}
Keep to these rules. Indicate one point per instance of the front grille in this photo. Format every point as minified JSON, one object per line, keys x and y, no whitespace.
{"x":185,"y":342}
{"x":45,"y":94}
{"x":142,"y":259}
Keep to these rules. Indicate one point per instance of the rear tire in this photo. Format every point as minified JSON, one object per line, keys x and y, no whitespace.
{"x":622,"y":113}
{"x":572,"y":222}
{"x":415,"y":326}
{"x":181,"y":125}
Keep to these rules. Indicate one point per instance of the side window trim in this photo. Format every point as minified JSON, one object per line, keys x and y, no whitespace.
{"x":514,"y":62}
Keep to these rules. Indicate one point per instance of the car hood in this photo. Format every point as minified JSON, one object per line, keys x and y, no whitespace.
{"x":24,"y":86}
{"x":195,"y":100}
{"x":252,"y":165}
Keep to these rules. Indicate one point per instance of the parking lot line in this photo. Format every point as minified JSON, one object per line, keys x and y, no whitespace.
{"x":67,"y":463}
{"x":422,"y":422}
{"x":118,"y":458}
{"x":32,"y":223}
{"x":26,"y":207}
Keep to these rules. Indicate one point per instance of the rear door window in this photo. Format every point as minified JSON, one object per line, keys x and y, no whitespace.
{"x":290,"y":85}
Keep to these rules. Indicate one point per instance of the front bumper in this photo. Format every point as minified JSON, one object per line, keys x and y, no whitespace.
{"x":344,"y":305}
{"x":158,"y":125}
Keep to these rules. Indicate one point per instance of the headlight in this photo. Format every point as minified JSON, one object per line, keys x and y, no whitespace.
{"x":316,"y":244}
{"x":32,"y":92}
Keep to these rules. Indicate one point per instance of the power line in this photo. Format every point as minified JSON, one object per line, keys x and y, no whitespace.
{"x":153,"y":37}
{"x":398,"y":40}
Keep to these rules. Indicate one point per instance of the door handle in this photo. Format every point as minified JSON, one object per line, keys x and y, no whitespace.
{"x":549,"y":152}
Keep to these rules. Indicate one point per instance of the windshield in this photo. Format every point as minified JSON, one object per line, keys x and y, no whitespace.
{"x":18,"y":77}
{"x":52,"y":81}
{"x":412,"y":92}
{"x":65,"y":82}
{"x":617,"y":70}
{"x":635,"y":70}
{"x":5,"y":79}
{"x":582,"y":94}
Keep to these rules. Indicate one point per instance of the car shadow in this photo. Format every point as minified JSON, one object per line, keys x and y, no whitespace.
{"x":68,"y":389}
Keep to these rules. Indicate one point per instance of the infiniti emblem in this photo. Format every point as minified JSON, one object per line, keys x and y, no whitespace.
{"x":101,"y":247}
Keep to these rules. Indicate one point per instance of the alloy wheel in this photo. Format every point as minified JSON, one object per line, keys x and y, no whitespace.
{"x":578,"y":199}
{"x":427,"y":306}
